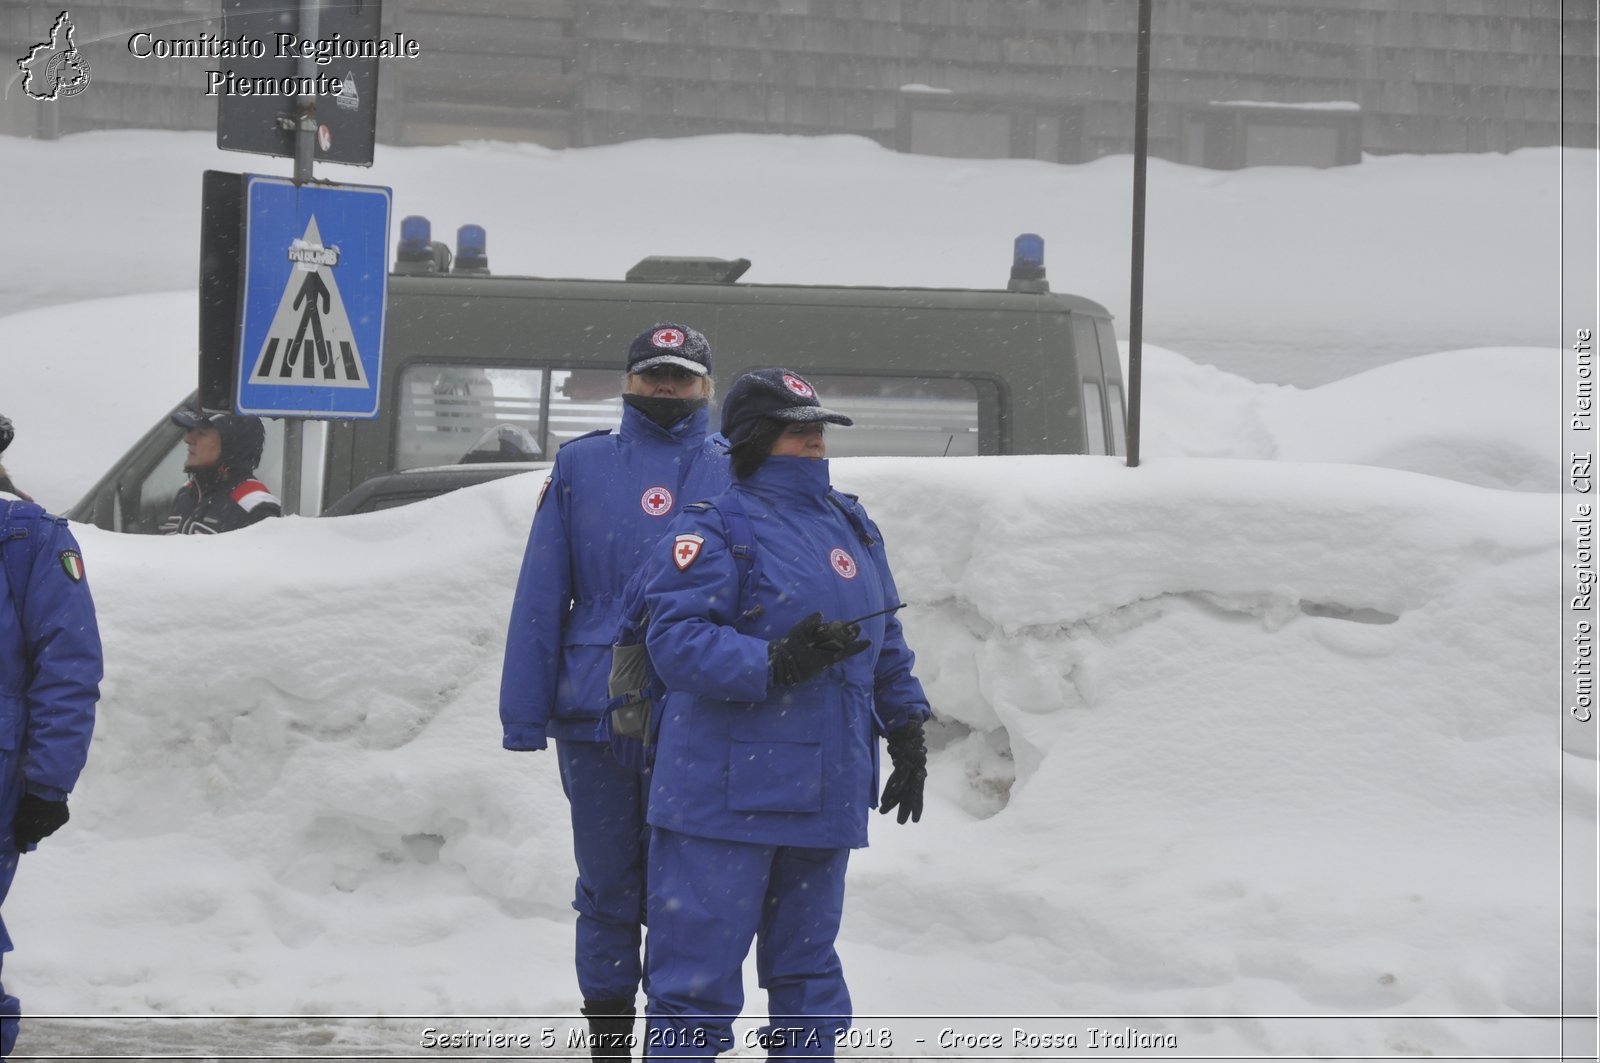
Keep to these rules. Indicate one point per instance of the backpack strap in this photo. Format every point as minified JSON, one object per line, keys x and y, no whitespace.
{"x":848,"y":504}
{"x":741,"y":544}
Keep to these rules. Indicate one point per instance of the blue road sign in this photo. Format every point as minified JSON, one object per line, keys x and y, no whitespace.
{"x":315,"y":290}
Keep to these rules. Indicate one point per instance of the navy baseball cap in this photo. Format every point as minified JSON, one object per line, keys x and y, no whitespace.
{"x":670,"y":344}
{"x":776,"y":394}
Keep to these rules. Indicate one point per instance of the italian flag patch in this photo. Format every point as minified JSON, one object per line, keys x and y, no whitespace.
{"x":73,"y":564}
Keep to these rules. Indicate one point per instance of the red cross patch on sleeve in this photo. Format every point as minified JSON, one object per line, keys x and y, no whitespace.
{"x":685,"y":548}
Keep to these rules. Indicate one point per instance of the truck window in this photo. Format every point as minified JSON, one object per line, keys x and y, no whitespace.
{"x":911,"y":416}
{"x":1094,"y":418}
{"x":1110,"y":358}
{"x":1119,"y":427}
{"x":446,"y":410}
{"x":143,"y":502}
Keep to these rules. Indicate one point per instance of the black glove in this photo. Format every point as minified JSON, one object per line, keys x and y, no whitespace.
{"x":810,"y":646}
{"x":37,"y":818}
{"x":909,"y":753}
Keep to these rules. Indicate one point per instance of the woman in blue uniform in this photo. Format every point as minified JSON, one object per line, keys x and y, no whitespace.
{"x":766,"y":763}
{"x":609,"y":498}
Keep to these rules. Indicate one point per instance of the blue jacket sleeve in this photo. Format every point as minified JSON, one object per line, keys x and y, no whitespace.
{"x":693,"y":644}
{"x":533,"y":640}
{"x":897,"y":693}
{"x":64,"y":643}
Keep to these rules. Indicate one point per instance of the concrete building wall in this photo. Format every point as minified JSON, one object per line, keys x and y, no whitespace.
{"x":1049,"y":79}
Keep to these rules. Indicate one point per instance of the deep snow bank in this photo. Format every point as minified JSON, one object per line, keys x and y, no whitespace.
{"x":1216,"y":736}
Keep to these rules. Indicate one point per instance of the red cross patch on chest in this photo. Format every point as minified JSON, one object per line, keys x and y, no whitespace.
{"x":656,"y":501}
{"x":842,"y":563}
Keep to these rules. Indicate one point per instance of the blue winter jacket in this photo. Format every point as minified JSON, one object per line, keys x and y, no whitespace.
{"x":50,"y":660}
{"x":738,"y":758}
{"x":609,"y":497}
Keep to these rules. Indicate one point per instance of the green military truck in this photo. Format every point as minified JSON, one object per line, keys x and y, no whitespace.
{"x":479,"y":369}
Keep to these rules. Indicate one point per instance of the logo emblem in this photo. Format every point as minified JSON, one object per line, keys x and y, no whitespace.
{"x":348,"y":99}
{"x":73,"y":564}
{"x":842,"y":563}
{"x":685,"y":548}
{"x":55,"y":69}
{"x":669,"y":338}
{"x":542,"y":489}
{"x":798,"y":386}
{"x":657,"y":501}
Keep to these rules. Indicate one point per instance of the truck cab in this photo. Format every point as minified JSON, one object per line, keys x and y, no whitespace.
{"x":480,"y":368}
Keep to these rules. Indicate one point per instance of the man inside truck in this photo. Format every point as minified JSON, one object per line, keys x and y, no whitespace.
{"x":222,"y":493}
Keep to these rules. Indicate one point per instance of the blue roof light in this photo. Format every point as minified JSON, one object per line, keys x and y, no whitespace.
{"x":1027,"y":265}
{"x":1029,"y":251}
{"x":416,"y":232}
{"x":472,"y":250}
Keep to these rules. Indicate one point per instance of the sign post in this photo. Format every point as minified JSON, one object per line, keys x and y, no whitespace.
{"x":293,"y":295}
{"x":332,"y":348}
{"x":1141,"y":151}
{"x":313,"y":298}
{"x":344,"y":129}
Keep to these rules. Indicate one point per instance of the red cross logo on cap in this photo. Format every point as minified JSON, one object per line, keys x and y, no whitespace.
{"x":798,"y":386}
{"x":843,"y":563}
{"x":656,"y":501}
{"x":685,"y":548}
{"x":666,"y":337}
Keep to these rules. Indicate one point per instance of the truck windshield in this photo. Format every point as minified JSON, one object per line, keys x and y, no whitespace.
{"x":446,"y":410}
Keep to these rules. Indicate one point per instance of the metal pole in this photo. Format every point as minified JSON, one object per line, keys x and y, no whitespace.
{"x":305,"y":146}
{"x":1141,"y":151}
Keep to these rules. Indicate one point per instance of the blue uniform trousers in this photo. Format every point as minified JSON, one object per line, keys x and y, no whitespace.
{"x":10,"y":1007}
{"x":608,"y":839}
{"x":707,"y":900}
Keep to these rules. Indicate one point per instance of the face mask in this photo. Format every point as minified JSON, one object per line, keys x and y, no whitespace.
{"x":664,"y":412}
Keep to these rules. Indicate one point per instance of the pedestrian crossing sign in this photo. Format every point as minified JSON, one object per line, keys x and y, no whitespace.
{"x":315,"y":287}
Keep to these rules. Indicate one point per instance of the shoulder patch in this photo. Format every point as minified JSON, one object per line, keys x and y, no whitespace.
{"x":685,"y":548}
{"x":252,"y":493}
{"x":542,"y":489}
{"x":72,"y":564}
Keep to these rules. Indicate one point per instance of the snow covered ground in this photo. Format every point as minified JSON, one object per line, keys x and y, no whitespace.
{"x":1218,"y":737}
{"x":1259,"y":755}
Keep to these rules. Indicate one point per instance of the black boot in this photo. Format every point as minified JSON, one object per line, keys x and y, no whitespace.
{"x":610,"y":1030}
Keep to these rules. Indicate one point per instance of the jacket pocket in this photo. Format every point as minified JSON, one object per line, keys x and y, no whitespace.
{"x":586,"y":639}
{"x":775,"y":776}
{"x":781,"y":718}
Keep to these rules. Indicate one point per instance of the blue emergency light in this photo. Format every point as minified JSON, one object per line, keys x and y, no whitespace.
{"x":472,"y":250}
{"x":418,"y":251}
{"x":1027,"y":264}
{"x":416,"y":232}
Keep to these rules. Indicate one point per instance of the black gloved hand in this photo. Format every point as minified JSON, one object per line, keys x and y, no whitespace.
{"x":809,"y":647}
{"x":909,"y":752}
{"x":37,"y":818}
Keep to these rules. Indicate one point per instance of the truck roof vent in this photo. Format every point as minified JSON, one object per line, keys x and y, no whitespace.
{"x":665,"y":269}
